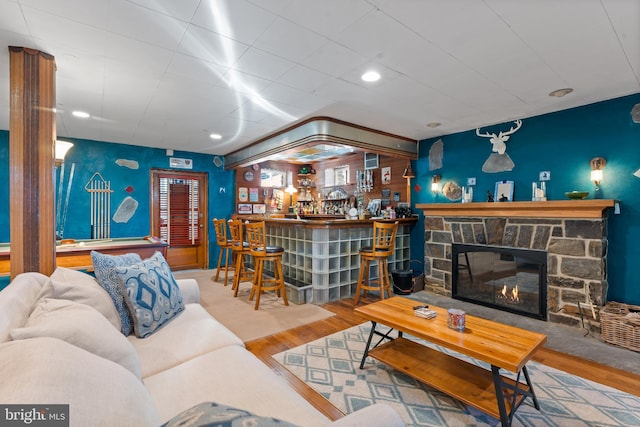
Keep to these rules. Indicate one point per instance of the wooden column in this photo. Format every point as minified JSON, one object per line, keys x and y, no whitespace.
{"x":32,"y":134}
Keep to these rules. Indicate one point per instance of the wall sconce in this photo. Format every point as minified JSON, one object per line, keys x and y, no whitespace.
{"x":61,"y":148}
{"x":291,"y":189}
{"x":435,"y":184}
{"x":408,"y":174}
{"x":597,"y":164}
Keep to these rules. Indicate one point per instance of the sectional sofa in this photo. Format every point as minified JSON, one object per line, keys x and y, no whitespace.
{"x":61,"y":343}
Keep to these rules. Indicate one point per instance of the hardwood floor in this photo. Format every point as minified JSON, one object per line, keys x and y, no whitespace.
{"x":345,"y":317}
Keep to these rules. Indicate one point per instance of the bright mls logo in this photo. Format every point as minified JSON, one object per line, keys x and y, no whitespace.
{"x":34,"y":415}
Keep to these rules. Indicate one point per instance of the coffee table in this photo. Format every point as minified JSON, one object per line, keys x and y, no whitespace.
{"x":501,"y":346}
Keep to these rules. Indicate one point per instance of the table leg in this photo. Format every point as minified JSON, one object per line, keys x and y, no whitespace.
{"x":497,"y":382}
{"x":373,"y":332}
{"x":532,"y":393}
{"x":366,"y":348}
{"x":506,"y":418}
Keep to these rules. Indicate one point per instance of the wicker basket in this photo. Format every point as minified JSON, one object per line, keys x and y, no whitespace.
{"x":620,"y":325}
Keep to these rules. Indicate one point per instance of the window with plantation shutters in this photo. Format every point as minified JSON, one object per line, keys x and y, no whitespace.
{"x":179,"y":215}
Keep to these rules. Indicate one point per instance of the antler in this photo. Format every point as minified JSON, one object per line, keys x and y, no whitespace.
{"x":513,"y":128}
{"x":486,"y":134}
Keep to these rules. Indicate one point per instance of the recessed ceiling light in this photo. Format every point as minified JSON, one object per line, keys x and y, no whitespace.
{"x":433,"y":124}
{"x":559,"y":93}
{"x":371,"y":76}
{"x":81,"y":114}
{"x":215,"y":136}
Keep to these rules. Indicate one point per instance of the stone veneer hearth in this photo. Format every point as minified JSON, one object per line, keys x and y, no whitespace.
{"x":576,"y":246}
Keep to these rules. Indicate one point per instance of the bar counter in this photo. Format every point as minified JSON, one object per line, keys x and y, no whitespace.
{"x":321,"y":260}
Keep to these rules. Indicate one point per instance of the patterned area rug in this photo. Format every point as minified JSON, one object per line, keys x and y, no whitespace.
{"x":330,"y":366}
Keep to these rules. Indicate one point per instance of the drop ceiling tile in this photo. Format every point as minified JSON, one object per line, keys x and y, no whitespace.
{"x":288,"y":40}
{"x":239,"y":20}
{"x":70,"y":35}
{"x":262,"y":64}
{"x":624,"y":16}
{"x":338,"y":89}
{"x":387,"y":76}
{"x":182,"y":10}
{"x":276,"y":92}
{"x":140,"y":23}
{"x":377,"y":36}
{"x":245,"y":85}
{"x":177,"y":88}
{"x":327,"y":17}
{"x":196,"y":69}
{"x":211,"y":47}
{"x":11,"y":20}
{"x":93,"y":13}
{"x":304,"y":79}
{"x":332,"y":59}
{"x":139,"y":57}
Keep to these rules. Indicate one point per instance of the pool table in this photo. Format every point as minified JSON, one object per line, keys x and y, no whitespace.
{"x":76,"y":255}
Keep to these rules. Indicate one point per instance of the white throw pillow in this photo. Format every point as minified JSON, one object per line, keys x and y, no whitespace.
{"x":83,"y":288}
{"x":82,"y":326}
{"x":98,"y":391}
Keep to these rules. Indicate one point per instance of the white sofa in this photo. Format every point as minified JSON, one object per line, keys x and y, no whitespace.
{"x":55,"y":349}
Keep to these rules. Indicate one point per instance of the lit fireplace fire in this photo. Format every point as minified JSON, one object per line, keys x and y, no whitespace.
{"x":511,"y":297}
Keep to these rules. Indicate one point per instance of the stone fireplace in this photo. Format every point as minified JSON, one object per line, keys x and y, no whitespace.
{"x":573,"y":233}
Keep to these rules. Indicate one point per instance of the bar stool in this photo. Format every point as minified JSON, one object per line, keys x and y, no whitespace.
{"x":384,"y":240}
{"x":224,"y":243}
{"x":240,"y":249}
{"x":257,"y":239}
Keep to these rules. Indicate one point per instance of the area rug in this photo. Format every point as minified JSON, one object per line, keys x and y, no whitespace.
{"x":330,"y":366}
{"x":237,"y":313}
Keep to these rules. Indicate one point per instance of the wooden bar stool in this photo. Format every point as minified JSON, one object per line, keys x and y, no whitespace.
{"x":257,"y":239}
{"x":240,"y":250}
{"x":384,"y":240}
{"x":224,"y":243}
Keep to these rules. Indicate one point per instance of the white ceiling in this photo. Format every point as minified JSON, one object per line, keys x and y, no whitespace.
{"x":167,"y":73}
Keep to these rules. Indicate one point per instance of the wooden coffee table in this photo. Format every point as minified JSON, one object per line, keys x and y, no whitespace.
{"x":501,"y":346}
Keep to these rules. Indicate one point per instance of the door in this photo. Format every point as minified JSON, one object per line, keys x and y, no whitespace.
{"x":178,"y":212}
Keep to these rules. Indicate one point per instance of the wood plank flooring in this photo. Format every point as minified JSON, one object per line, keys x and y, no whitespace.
{"x":346,"y":317}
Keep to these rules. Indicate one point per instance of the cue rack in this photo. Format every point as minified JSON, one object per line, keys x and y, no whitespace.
{"x":100,"y":191}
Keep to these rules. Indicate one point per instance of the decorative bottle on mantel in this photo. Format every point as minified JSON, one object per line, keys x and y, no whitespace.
{"x":539,"y":194}
{"x":467,"y":195}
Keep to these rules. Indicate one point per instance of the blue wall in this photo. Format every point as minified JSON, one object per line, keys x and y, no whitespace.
{"x":563,"y":143}
{"x":93,"y":156}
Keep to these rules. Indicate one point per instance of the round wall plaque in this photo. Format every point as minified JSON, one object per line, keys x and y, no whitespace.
{"x":248,"y":176}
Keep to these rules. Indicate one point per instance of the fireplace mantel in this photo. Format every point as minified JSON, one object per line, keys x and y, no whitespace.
{"x":592,"y":208}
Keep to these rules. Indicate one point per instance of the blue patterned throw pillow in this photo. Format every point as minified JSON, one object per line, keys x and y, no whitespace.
{"x":104,"y":268}
{"x":209,"y":414}
{"x":151,"y":293}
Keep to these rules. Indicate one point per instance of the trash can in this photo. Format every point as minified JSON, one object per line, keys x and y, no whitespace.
{"x":403,"y":280}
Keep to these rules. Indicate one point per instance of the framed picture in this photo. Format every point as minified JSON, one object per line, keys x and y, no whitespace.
{"x":386,"y":175}
{"x":329,"y":177}
{"x":371,"y":161}
{"x":278,"y":199}
{"x":503,"y":192}
{"x":259,"y":208}
{"x":341,"y":175}
{"x":243,"y":194}
{"x":253,"y":194}
{"x":245,"y":208}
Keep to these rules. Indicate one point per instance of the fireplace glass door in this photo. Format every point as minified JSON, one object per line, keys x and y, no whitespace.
{"x":508,"y":279}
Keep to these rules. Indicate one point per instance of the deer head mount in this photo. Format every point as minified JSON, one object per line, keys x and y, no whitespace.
{"x":498,"y":141}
